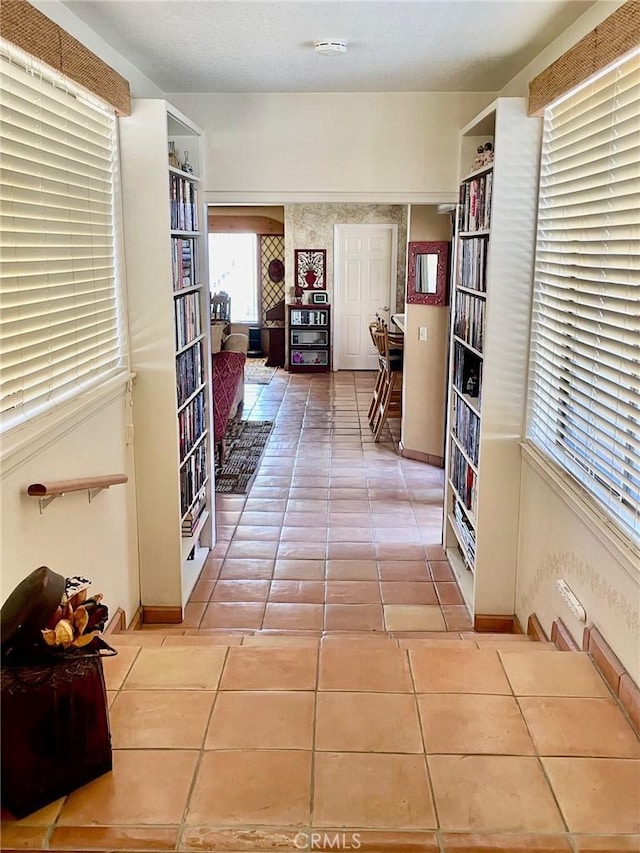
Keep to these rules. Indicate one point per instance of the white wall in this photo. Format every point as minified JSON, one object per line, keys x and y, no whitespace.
{"x":72,"y":537}
{"x":388,"y":147}
{"x":555,"y":540}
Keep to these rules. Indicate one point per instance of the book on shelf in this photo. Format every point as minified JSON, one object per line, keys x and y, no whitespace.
{"x":465,"y":531}
{"x":184,"y":262}
{"x":184,"y":203}
{"x":467,"y":373}
{"x":472,"y":263}
{"x":469,"y":320}
{"x":191,"y":424}
{"x":189,"y":372}
{"x":474,"y":212}
{"x":193,"y":475}
{"x":187,"y":320}
{"x":463,"y":478}
{"x":466,"y":428}
{"x":190,"y":521}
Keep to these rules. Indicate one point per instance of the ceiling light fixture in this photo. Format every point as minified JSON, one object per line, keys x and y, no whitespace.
{"x":330,"y":47}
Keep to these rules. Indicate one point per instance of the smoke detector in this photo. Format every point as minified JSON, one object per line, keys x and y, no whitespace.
{"x":329,"y":47}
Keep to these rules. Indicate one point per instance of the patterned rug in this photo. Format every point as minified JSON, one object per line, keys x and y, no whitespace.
{"x":244,"y":444}
{"x":257,"y":373}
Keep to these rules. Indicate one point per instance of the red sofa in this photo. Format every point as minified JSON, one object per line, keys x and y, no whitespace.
{"x":228,"y":380}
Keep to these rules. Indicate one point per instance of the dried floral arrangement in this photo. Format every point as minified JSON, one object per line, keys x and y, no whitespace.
{"x":49,"y":614}
{"x":78,"y":619}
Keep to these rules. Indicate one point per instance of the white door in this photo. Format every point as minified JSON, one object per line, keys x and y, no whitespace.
{"x":365,"y":285}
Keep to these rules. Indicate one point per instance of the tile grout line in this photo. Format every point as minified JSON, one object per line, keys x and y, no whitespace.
{"x":424,"y":746}
{"x":196,"y":770}
{"x":535,"y":747}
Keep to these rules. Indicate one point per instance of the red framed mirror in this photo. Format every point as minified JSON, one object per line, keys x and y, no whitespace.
{"x":428,"y":273}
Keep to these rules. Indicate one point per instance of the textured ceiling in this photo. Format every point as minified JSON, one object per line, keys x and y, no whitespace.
{"x":267,"y":46}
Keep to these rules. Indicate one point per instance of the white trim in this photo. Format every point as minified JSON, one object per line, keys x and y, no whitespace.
{"x":31,"y":437}
{"x":584,"y":507}
{"x":267,"y":197}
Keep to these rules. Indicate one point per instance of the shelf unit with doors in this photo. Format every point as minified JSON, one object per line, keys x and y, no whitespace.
{"x":309,"y":338}
{"x":489,"y":342}
{"x":168,"y":310}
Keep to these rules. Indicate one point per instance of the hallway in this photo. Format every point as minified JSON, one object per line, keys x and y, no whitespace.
{"x":337,"y":533}
{"x":379,"y":734}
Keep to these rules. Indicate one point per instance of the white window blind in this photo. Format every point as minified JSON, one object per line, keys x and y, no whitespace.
{"x":60,"y":311}
{"x":584,"y":383}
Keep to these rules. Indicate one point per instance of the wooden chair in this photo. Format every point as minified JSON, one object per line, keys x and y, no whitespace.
{"x":221,"y":306}
{"x":387,"y":399}
{"x":375,"y":326}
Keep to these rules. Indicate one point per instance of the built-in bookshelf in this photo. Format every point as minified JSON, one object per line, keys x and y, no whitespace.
{"x":491,"y":284}
{"x":170,"y":343}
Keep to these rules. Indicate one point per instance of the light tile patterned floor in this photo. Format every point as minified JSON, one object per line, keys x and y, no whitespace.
{"x":337,"y":533}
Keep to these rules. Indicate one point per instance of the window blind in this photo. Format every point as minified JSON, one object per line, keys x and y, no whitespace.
{"x":584,"y":382}
{"x":60,"y":312}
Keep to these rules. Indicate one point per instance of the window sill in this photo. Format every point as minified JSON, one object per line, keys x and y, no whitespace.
{"x":31,"y":437}
{"x":621,"y":548}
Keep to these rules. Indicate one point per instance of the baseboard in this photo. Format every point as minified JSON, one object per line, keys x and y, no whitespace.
{"x":156,"y":615}
{"x":136,"y":622}
{"x":562,"y":637}
{"x":603,"y":657}
{"x":613,"y":672}
{"x":496,"y":624}
{"x":428,"y":458}
{"x":117,"y":623}
{"x":535,"y":630}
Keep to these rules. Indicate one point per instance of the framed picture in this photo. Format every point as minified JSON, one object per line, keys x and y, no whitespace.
{"x":318,"y":298}
{"x":310,"y":269}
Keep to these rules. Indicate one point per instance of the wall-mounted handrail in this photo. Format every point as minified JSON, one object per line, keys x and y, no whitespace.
{"x":53,"y":489}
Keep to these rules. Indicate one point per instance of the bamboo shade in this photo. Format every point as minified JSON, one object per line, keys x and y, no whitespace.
{"x":616,"y":36}
{"x":33,"y":32}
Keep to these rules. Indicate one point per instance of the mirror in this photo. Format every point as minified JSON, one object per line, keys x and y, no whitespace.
{"x":427,"y":273}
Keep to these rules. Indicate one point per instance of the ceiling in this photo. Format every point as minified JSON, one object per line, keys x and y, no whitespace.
{"x":267,"y":45}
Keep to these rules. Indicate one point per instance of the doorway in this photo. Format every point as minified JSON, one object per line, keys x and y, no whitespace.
{"x":366,"y":258}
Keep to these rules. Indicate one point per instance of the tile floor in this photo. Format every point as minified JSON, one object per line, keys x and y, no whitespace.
{"x":474,"y":743}
{"x":353,"y":725}
{"x":337,"y":533}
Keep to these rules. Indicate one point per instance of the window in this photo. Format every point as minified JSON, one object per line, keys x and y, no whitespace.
{"x":584,"y":384}
{"x":61,"y":320}
{"x":233,"y":269}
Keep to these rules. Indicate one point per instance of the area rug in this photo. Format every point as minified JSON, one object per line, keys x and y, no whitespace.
{"x":244,"y":445}
{"x":257,"y":373}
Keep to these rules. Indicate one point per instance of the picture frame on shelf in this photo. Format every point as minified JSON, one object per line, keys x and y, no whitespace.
{"x":319,"y":298}
{"x":310,"y":269}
